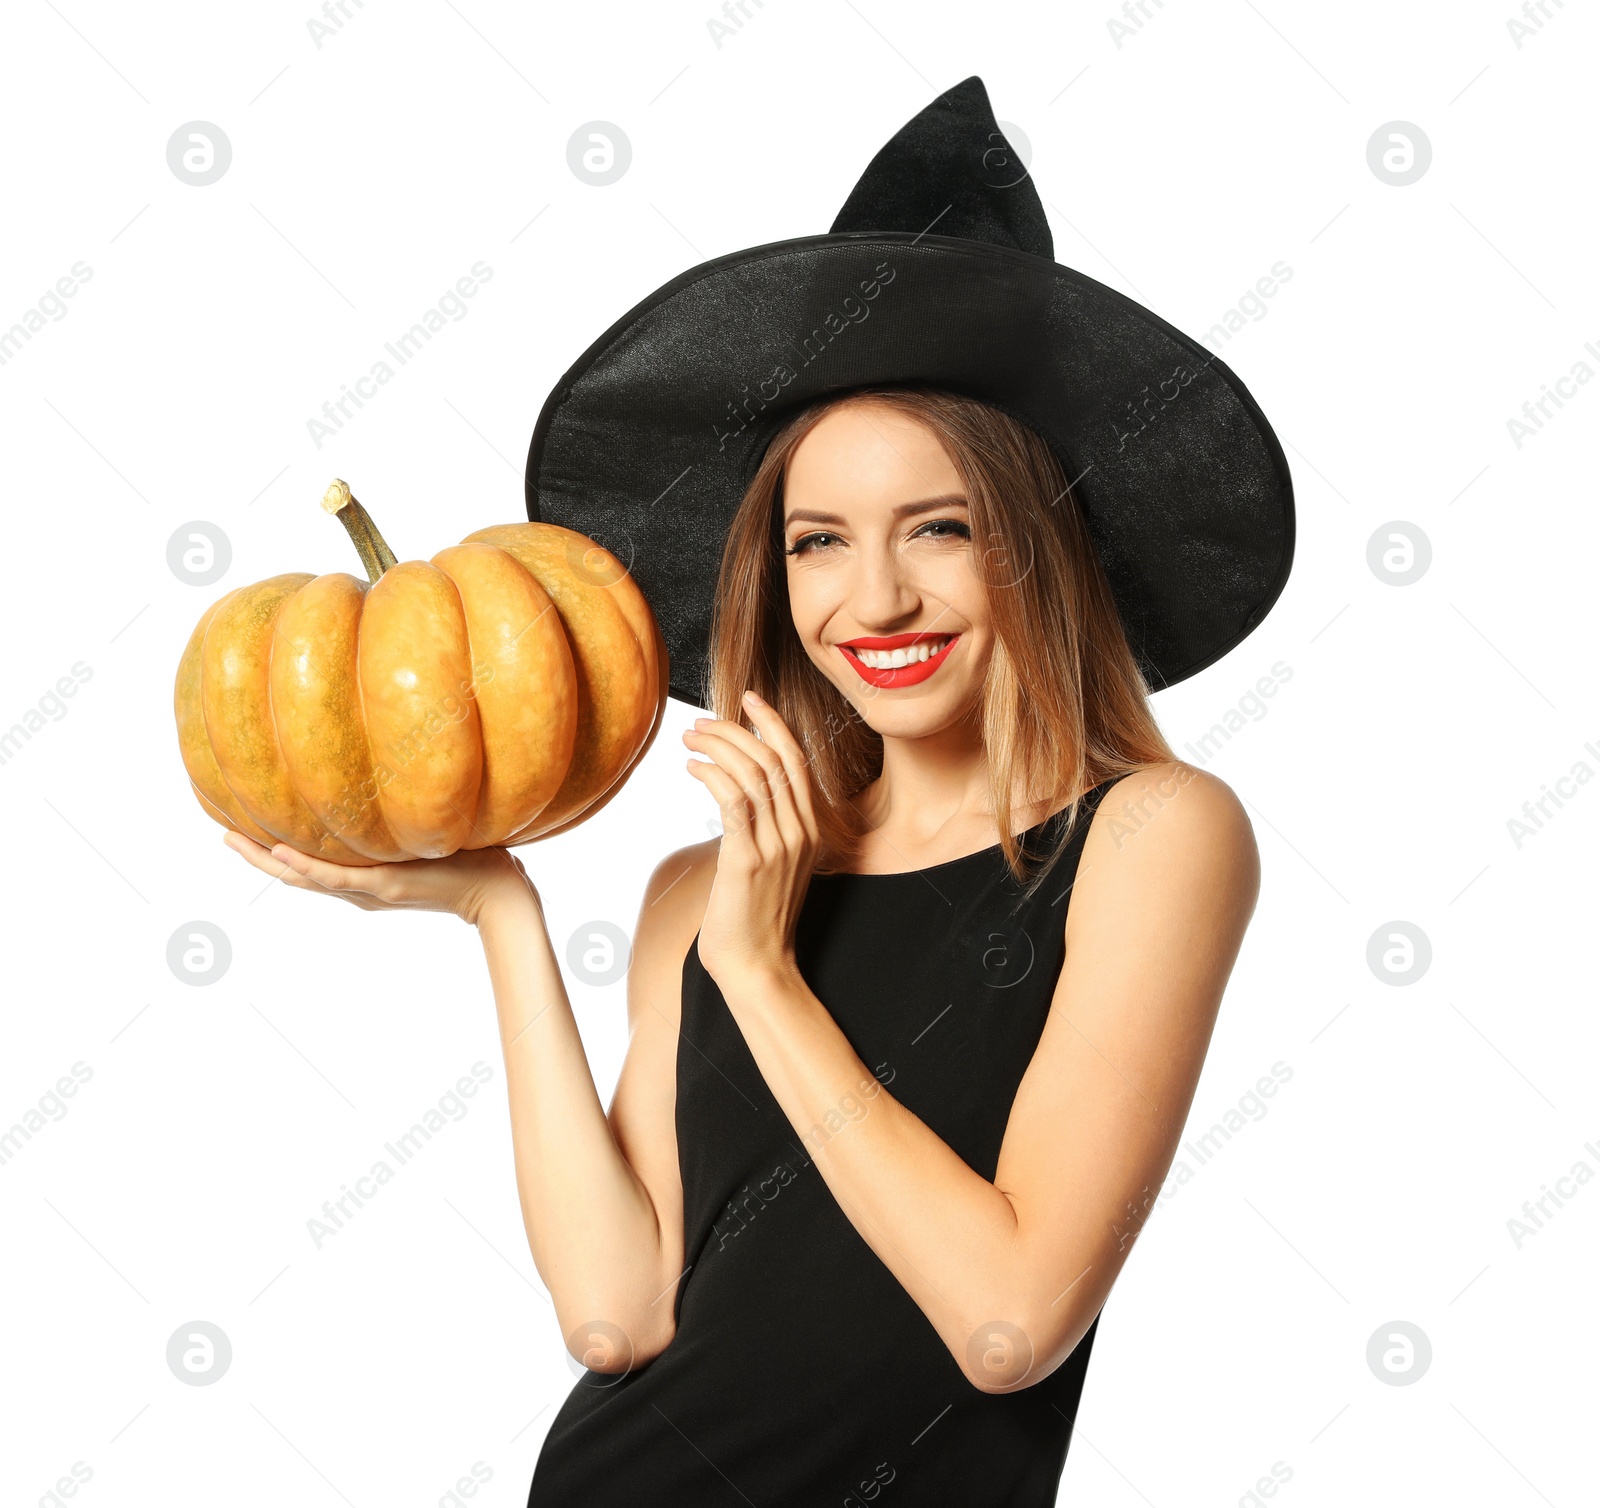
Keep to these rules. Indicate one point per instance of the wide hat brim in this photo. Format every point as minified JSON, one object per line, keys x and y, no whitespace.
{"x":650,"y":440}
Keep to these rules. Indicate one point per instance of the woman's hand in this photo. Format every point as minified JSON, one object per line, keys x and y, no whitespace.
{"x":461,"y":884}
{"x":770,"y":841}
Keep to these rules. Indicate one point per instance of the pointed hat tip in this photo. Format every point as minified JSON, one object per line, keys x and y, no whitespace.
{"x":950,"y":171}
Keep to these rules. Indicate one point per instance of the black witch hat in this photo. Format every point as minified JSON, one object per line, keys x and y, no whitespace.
{"x":939,"y":270}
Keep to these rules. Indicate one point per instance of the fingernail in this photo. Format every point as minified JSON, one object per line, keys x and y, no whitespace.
{"x":753,"y":699}
{"x":700,"y":722}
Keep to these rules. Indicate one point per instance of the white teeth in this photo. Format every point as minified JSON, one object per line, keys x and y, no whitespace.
{"x":895,"y":659}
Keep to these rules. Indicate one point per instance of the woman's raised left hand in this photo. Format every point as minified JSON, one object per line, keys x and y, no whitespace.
{"x":770,"y":841}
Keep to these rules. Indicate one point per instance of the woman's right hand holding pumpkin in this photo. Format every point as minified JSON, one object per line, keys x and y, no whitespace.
{"x":465,"y":883}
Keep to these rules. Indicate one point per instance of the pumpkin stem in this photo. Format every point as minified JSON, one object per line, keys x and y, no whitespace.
{"x":370,"y":545}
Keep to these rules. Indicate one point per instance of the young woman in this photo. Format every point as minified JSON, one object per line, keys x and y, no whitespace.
{"x":913,"y":1043}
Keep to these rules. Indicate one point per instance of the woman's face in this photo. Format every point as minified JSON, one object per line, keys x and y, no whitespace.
{"x":883,"y":584}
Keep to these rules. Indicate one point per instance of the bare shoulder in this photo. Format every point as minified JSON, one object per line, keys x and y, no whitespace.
{"x":1172,"y":828}
{"x":675,"y":899}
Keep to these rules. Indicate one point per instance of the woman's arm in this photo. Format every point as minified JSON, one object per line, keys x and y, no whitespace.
{"x":600,"y":1196}
{"x":1011,"y":1273}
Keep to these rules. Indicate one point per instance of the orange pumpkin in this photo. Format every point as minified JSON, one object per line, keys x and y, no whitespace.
{"x":501,"y":692}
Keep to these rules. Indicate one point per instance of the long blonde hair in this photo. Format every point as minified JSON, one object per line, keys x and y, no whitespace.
{"x":1064,"y":706}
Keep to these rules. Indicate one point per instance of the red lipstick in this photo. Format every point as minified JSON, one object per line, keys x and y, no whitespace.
{"x":900,"y":675}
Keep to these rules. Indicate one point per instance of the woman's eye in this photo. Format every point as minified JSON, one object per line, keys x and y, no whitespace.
{"x":808,"y":542}
{"x":943,"y":528}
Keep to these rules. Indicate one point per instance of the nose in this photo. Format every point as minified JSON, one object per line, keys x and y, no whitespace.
{"x":882,"y":594}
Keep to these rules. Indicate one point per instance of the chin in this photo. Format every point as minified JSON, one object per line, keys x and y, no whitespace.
{"x":909,"y":719}
{"x":916,"y":712}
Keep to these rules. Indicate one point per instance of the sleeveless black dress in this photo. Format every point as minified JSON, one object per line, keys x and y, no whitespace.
{"x":801,"y":1371}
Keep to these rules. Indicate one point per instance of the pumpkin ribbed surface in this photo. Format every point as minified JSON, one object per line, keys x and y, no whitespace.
{"x":497,"y":693}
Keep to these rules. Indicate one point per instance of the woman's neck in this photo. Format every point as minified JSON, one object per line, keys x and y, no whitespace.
{"x":933,"y":794}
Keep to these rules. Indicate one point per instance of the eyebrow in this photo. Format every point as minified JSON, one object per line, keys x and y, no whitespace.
{"x":902,"y":510}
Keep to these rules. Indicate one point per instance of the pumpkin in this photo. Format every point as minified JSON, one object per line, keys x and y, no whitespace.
{"x":501,"y":692}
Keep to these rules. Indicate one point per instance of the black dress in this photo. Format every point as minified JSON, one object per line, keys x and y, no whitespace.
{"x":801,"y":1371}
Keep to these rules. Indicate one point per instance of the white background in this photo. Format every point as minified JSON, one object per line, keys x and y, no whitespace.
{"x":368,"y":174}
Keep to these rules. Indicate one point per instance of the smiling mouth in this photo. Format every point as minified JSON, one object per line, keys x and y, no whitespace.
{"x":899,"y":659}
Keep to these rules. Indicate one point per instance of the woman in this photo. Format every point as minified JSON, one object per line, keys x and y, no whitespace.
{"x":925,"y":1213}
{"x":912,"y":1044}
